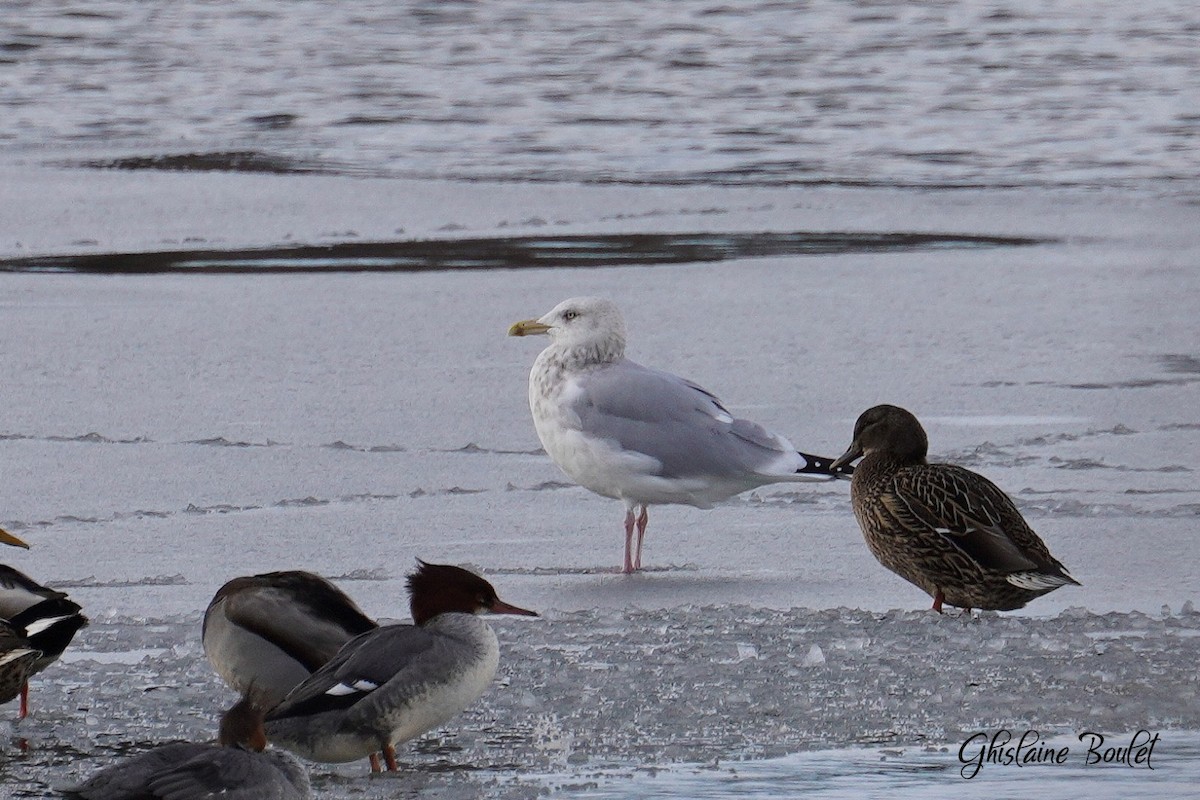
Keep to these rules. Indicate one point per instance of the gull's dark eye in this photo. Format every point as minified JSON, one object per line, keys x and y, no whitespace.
{"x":570,"y":315}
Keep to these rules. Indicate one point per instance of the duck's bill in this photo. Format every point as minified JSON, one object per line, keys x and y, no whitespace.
{"x":527,"y":327}
{"x":501,"y":607}
{"x":843,"y":461}
{"x":8,"y":538}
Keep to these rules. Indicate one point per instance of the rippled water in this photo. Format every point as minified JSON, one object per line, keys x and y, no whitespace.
{"x":1008,"y":92}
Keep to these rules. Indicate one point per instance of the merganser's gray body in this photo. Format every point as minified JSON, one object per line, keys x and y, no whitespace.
{"x":387,"y":686}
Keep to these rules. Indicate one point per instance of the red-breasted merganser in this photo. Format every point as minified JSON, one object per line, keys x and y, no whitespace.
{"x":271,"y":631}
{"x":237,"y":766}
{"x":394,"y":683}
{"x":48,"y":619}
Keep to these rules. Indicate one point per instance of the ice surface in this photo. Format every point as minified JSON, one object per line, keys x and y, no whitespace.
{"x":163,"y":434}
{"x":916,"y":773}
{"x":160,"y":435}
{"x":605,"y":699}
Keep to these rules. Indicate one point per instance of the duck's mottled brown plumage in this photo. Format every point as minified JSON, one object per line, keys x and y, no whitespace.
{"x":945,"y":529}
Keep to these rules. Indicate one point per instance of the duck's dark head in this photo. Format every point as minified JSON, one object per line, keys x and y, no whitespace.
{"x":889,"y":430}
{"x":242,"y":725}
{"x":441,"y":588}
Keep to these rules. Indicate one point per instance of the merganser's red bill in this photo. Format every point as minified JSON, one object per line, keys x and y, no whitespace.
{"x":501,"y":607}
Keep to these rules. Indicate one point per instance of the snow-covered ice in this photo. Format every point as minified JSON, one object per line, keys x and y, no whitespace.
{"x":624,"y":703}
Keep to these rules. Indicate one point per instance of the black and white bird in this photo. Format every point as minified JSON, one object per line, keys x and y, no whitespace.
{"x":237,"y":767}
{"x":46,"y":618}
{"x":641,"y":435}
{"x":394,"y":683}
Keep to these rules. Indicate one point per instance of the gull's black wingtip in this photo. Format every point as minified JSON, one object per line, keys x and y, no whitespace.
{"x":820,"y":465}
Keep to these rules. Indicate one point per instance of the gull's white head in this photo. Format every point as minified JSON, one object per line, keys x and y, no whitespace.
{"x":590,"y":328}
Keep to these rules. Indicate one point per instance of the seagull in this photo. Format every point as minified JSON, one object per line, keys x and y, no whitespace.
{"x":947,"y":530}
{"x":393,"y":683}
{"x":641,"y":435}
{"x":237,"y":767}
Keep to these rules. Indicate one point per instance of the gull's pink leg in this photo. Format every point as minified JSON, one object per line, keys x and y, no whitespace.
{"x":628,"y":570}
{"x":642,"y":519}
{"x":24,"y":701}
{"x":389,"y":757}
{"x":374,"y":759}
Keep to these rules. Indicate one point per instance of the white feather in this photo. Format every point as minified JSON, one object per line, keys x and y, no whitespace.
{"x":1036,"y":581}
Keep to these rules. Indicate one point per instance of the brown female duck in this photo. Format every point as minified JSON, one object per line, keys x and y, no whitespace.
{"x":941,"y":527}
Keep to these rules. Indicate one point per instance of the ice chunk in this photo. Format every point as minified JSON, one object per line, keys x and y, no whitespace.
{"x":814,"y":658}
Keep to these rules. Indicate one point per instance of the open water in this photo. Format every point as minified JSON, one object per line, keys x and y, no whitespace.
{"x":875,"y":92}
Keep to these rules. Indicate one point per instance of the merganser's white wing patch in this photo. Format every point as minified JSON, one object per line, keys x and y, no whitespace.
{"x":359,"y":686}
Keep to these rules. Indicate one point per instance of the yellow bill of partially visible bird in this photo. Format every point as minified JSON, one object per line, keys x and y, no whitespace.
{"x":8,"y":538}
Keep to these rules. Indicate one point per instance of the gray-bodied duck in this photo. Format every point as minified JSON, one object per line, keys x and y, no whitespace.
{"x":271,"y":631}
{"x":238,"y":767}
{"x":395,"y":682}
{"x":941,"y":527}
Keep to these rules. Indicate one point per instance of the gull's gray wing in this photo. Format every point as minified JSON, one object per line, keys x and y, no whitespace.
{"x":682,"y":425}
